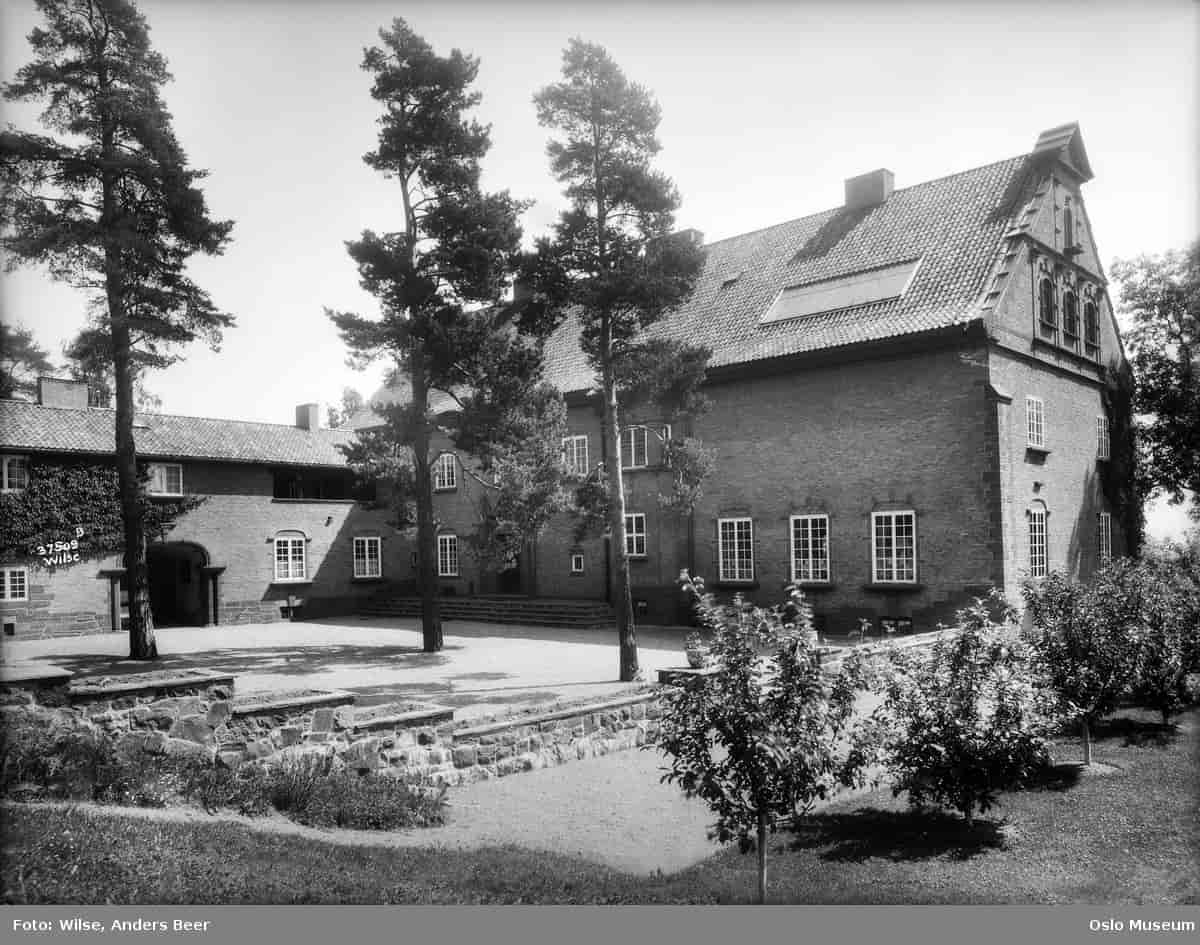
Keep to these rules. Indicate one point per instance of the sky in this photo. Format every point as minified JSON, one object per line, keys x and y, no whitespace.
{"x":767,"y":108}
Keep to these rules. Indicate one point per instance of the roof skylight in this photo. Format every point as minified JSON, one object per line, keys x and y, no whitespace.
{"x":846,"y":291}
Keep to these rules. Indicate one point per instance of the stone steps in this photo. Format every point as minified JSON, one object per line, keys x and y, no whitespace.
{"x":540,"y":612}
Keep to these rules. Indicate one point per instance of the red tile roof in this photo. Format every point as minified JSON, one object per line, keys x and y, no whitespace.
{"x":954,"y":225}
{"x":34,"y":428}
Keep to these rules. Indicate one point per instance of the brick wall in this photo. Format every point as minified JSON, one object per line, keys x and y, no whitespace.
{"x":235,"y":525}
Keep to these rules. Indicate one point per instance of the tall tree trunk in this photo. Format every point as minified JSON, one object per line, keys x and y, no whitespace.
{"x":431,"y":611}
{"x":762,"y":857}
{"x":142,"y":645}
{"x":1087,"y":741}
{"x":622,"y":596}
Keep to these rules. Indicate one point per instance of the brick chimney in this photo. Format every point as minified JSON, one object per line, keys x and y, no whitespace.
{"x":869,"y":190}
{"x":60,"y":392}
{"x":308,"y":416}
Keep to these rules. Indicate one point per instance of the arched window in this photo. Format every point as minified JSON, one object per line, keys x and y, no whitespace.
{"x":1070,"y":317}
{"x":1046,"y":312}
{"x":1091,"y":329}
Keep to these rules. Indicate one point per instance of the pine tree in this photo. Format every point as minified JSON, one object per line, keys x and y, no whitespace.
{"x":22,"y":361}
{"x":439,"y":280}
{"x":111,"y":207}
{"x":614,"y":261}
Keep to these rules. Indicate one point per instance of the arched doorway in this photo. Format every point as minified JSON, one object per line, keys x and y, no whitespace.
{"x":177,"y":584}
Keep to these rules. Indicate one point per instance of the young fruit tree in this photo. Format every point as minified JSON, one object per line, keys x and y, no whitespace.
{"x":769,"y":733}
{"x":439,"y":279}
{"x":1084,"y":643}
{"x":613,"y":264}
{"x":111,"y":207}
{"x":962,"y":722}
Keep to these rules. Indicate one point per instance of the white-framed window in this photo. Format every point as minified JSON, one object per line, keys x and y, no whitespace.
{"x":575,"y":454}
{"x":576,"y":563}
{"x":290,"y":559}
{"x":14,"y":473}
{"x":447,"y":555}
{"x":1103,"y":439}
{"x":1039,"y":558}
{"x":894,"y":547}
{"x":165,"y":479}
{"x":735,"y":549}
{"x":368,"y":558}
{"x":445,"y":473}
{"x":14,"y":584}
{"x":1035,"y":421}
{"x":635,"y":534}
{"x":1104,"y":537}
{"x":810,"y":548}
{"x":634,"y":453}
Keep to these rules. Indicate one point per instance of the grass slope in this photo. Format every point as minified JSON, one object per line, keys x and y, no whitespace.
{"x":1128,"y":835}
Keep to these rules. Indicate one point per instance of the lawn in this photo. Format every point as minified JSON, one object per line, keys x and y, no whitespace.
{"x":1127,"y":835}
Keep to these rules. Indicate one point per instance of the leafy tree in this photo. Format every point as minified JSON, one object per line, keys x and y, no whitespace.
{"x":352,"y":403}
{"x":963,"y":721}
{"x":112,"y":208}
{"x":22,"y":362}
{"x":439,"y":280}
{"x":1170,"y":633}
{"x":1084,"y":642}
{"x":1162,"y":294}
{"x":767,"y":735}
{"x":614,"y":263}
{"x":89,"y":359}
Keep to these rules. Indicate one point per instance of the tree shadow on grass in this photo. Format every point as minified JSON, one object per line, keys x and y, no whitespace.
{"x":1060,"y":777}
{"x":870,"y":833}
{"x":1135,"y":732}
{"x":290,"y":660}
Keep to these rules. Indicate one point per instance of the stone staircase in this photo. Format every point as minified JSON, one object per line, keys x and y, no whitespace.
{"x":500,"y":608}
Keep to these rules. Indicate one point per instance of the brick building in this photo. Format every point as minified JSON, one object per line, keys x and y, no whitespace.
{"x":277,"y":525}
{"x":908,"y":405}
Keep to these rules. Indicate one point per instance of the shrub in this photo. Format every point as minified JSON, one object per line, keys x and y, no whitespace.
{"x":1169,"y":650}
{"x":290,"y":784}
{"x":1085,"y":642}
{"x":371,"y":802}
{"x":961,"y":723}
{"x":764,"y":737}
{"x":215,"y":787}
{"x":61,"y":756}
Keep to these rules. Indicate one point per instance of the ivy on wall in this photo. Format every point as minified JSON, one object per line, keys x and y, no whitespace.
{"x":76,"y":501}
{"x":1122,"y":477}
